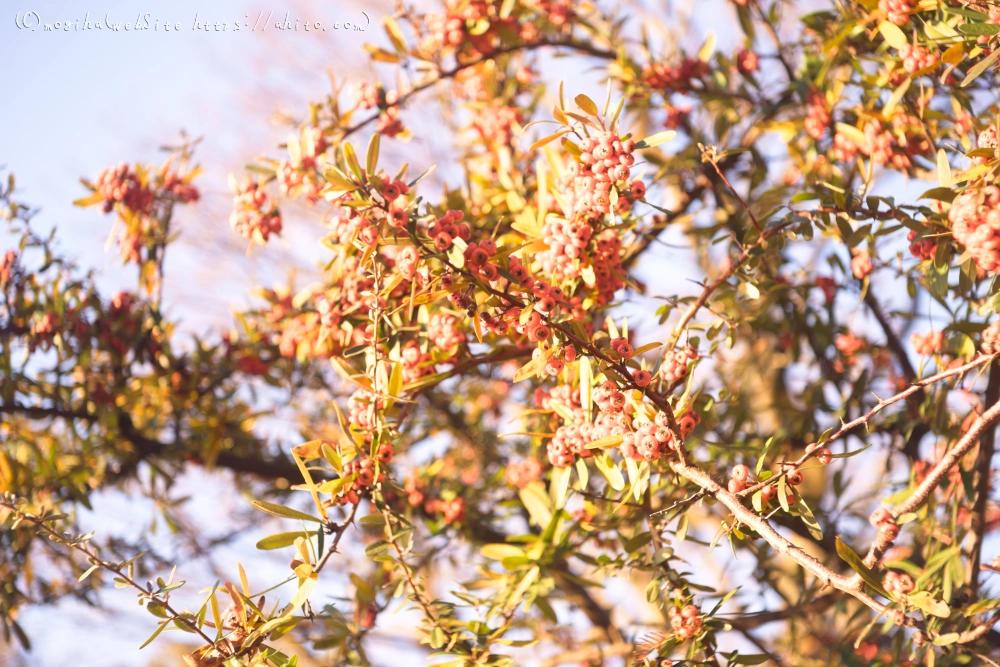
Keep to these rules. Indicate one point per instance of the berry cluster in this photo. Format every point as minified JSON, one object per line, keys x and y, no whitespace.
{"x":472,"y":27}
{"x":848,"y":345}
{"x":916,"y":57}
{"x":180,"y":190}
{"x":368,"y":96}
{"x":675,"y":117}
{"x":678,"y":78}
{"x":650,"y":441}
{"x":567,"y":243}
{"x":360,"y":406}
{"x":416,"y":364}
{"x":987,"y":139}
{"x":477,"y":259}
{"x":585,"y":189}
{"x":746,"y":61}
{"x":685,"y":621}
{"x":975,"y":223}
{"x":570,"y":441}
{"x":293,"y":182}
{"x":923,"y":249}
{"x":688,"y":421}
{"x":991,"y":338}
{"x":524,"y":472}
{"x":445,"y":229}
{"x":928,"y":343}
{"x":121,"y":185}
{"x":897,"y":11}
{"x":861,"y":265}
{"x":255,"y":215}
{"x":818,"y":118}
{"x":495,"y":125}
{"x":452,"y":511}
{"x":675,"y":364}
{"x":895,"y":145}
{"x":607,"y":396}
{"x":444,"y":332}
{"x":563,"y":393}
{"x":607,"y":263}
{"x":363,"y":470}
{"x":882,"y":519}
{"x":7,"y":261}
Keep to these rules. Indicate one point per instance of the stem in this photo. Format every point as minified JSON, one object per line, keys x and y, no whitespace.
{"x":92,"y":558}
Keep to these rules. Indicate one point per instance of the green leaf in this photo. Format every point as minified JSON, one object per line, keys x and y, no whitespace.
{"x":858,"y":565}
{"x":559,"y":486}
{"x":656,"y":139}
{"x":852,"y":133}
{"x":536,"y":501}
{"x":752,"y":659}
{"x":500,"y":551}
{"x":979,"y":28}
{"x":809,"y":519}
{"x":846,"y":455}
{"x":372,"y":161}
{"x":586,"y":386}
{"x":606,"y":442}
{"x":895,"y":37}
{"x":282,"y":511}
{"x":763,"y":454}
{"x":156,"y":633}
{"x":980,"y":68}
{"x":610,"y":471}
{"x":352,"y":160}
{"x":930,"y":605}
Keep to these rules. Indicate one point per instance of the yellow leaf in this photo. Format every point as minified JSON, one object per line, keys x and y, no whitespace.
{"x":708,"y":48}
{"x":95,"y":198}
{"x":586,"y":104}
{"x":395,"y":33}
{"x":954,"y":54}
{"x":379,"y":54}
{"x":943,"y":169}
{"x":309,"y":450}
{"x":549,"y":139}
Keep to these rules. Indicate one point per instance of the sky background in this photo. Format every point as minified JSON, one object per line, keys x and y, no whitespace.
{"x":79,"y":100}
